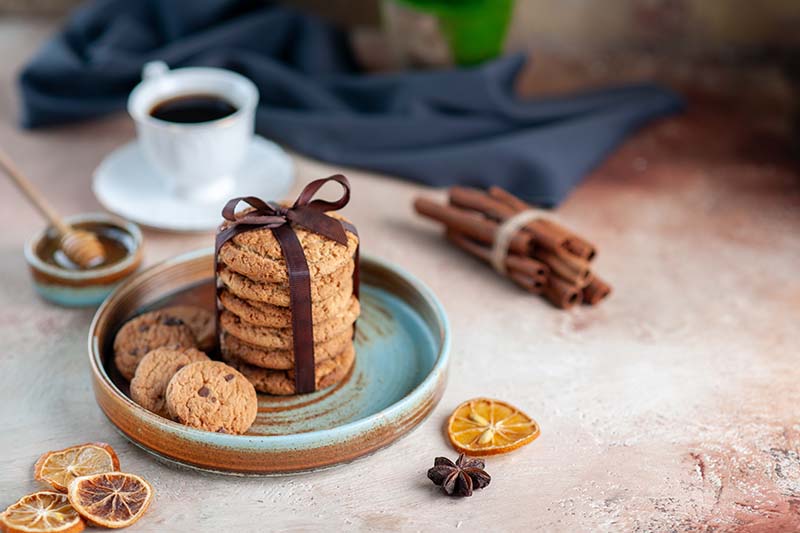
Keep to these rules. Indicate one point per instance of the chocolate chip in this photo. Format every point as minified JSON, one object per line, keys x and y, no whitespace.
{"x":221,"y":430}
{"x":179,"y":420}
{"x":134,"y":352}
{"x":204,"y":391}
{"x":213,"y":399}
{"x":228,"y":377}
{"x":172,"y":321}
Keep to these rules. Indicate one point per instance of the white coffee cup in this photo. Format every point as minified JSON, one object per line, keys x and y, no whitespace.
{"x":197,"y":160}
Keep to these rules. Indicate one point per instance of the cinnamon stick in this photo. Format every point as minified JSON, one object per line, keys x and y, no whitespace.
{"x":514,"y":263}
{"x":568,"y":267}
{"x":472,"y":225}
{"x":535,"y":286}
{"x":570,"y":242}
{"x":595,"y":291}
{"x":561,"y":294}
{"x":552,"y":235}
{"x":477,"y":200}
{"x":543,"y":257}
{"x":545,"y":237}
{"x":581,"y":248}
{"x":509,"y":199}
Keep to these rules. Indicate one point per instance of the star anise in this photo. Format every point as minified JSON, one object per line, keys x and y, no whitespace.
{"x":459,"y":478}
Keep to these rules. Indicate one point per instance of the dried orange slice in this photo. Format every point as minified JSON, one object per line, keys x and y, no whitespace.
{"x":41,"y":512}
{"x":113,"y":500}
{"x":482,"y":426}
{"x":61,"y":467}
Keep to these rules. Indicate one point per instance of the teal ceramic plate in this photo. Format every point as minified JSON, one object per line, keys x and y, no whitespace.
{"x":402,"y":345}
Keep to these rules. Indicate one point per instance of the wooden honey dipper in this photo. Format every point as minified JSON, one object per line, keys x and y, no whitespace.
{"x":81,"y":247}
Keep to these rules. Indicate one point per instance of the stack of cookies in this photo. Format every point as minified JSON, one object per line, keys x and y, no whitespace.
{"x":255,"y":318}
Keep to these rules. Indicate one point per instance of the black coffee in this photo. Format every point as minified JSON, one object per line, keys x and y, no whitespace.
{"x":192,"y":108}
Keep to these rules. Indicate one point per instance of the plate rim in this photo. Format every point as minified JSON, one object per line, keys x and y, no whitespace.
{"x":133,"y":144}
{"x":287,"y":441}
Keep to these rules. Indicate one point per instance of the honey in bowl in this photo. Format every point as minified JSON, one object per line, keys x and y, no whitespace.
{"x":57,"y":279}
{"x":117,"y":244}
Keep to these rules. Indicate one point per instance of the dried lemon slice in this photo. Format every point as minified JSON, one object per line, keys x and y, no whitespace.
{"x":113,"y":500}
{"x":61,"y":467}
{"x":41,"y":512}
{"x":482,"y":426}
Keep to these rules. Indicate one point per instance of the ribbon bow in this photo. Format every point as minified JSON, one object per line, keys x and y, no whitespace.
{"x":310,"y":214}
{"x":305,"y":212}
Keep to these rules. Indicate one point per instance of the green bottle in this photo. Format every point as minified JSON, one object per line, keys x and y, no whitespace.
{"x":474,"y":29}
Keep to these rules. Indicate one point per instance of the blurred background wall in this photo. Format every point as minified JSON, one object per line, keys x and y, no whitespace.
{"x":696,"y":28}
{"x":740,"y":48}
{"x":692,"y":27}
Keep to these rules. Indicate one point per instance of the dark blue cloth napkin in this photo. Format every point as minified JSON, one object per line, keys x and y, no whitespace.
{"x":436,"y":127}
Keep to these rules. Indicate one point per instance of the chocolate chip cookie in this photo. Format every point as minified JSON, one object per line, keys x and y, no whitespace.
{"x":280,"y":359}
{"x":281,"y":338}
{"x":273,"y":316}
{"x":199,"y":320}
{"x":212,"y":396}
{"x":281,"y":382}
{"x":149,"y":383}
{"x":146,"y":332}
{"x":257,"y":254}
{"x":338,"y":282}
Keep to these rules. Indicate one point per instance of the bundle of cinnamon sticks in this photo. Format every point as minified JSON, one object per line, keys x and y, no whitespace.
{"x":543,"y":257}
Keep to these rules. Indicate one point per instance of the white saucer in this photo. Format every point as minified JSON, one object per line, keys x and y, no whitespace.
{"x":126,"y":184}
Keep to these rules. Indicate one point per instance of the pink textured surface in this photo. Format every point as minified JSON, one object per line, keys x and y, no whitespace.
{"x":670,"y":407}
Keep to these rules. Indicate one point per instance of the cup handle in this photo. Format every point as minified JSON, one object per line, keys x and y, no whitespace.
{"x":153,"y":69}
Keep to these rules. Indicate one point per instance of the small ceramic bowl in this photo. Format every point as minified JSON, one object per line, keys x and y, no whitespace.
{"x":84,"y":288}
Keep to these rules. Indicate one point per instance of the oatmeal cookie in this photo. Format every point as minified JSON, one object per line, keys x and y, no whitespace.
{"x":149,"y":383}
{"x":212,"y":396}
{"x":199,"y":320}
{"x":280,"y":359}
{"x":339,"y":282}
{"x":281,"y":338}
{"x":272,"y":316}
{"x":281,"y":382}
{"x":146,"y":332}
{"x":257,"y":255}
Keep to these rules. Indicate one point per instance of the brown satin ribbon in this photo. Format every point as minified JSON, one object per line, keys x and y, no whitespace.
{"x":310,"y":214}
